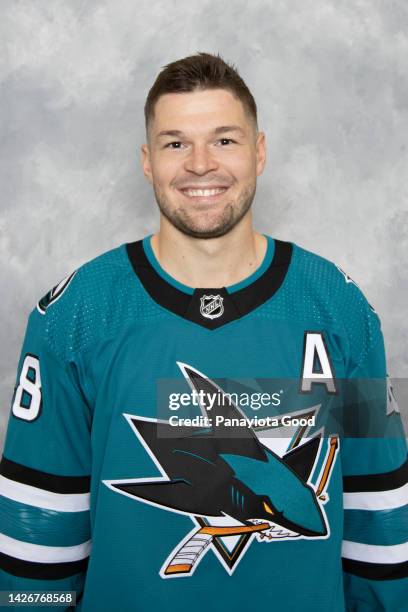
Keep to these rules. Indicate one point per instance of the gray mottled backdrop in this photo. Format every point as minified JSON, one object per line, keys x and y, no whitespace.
{"x":331,"y":81}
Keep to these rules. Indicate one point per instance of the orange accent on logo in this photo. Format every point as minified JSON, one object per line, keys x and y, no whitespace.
{"x":178,"y":569}
{"x":224,"y":531}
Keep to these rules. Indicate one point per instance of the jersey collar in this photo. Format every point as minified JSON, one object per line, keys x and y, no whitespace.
{"x":211,"y":307}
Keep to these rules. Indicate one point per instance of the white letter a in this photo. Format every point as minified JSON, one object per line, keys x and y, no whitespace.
{"x":315,"y":352}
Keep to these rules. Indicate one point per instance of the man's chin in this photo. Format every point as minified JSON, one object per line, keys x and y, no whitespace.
{"x":204,"y":232}
{"x":210,"y":226}
{"x":209,"y":223}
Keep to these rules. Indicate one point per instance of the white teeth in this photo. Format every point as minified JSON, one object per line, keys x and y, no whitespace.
{"x":274,"y":532}
{"x":203,"y":192}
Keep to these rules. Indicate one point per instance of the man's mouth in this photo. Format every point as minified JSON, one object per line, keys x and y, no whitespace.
{"x":201,"y":195}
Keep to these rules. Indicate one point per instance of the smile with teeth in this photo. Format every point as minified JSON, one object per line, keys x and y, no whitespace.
{"x":204,"y":193}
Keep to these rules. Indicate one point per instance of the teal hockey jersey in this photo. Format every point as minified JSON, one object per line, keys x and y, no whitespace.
{"x":195,"y":449}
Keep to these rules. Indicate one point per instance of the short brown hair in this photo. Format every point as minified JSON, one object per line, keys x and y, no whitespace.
{"x":199,"y":72}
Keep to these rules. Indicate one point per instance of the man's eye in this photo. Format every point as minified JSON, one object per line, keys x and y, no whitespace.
{"x":173,"y":145}
{"x":224,"y":141}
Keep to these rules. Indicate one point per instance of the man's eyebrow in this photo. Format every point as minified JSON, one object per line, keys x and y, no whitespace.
{"x":170,"y":133}
{"x":228,"y":128}
{"x":222,"y":129}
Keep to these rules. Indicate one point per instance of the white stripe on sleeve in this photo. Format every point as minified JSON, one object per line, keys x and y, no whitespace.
{"x":33,"y":496}
{"x":375,"y":554}
{"x":43,"y":554}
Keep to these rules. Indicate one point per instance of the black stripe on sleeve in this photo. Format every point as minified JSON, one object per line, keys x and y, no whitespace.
{"x":376,"y":571}
{"x":41,"y":571}
{"x":44,"y":480}
{"x":377,"y":482}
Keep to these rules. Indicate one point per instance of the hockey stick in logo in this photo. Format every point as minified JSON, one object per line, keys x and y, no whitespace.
{"x":189,"y":552}
{"x":334,"y":443}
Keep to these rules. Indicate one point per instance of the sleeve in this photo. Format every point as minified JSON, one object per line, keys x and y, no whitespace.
{"x":375,"y":489}
{"x":45,"y":473}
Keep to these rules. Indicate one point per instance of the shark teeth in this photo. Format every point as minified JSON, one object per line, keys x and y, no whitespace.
{"x":274,"y":532}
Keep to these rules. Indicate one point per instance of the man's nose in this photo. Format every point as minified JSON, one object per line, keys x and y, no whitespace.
{"x":200,"y":160}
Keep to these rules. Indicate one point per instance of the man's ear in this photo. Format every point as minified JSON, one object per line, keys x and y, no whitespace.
{"x":260,"y":153}
{"x":145,"y":161}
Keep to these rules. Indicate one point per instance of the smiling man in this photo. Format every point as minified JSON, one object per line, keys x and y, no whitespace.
{"x":204,"y":176}
{"x":242,"y":495}
{"x":203,"y":156}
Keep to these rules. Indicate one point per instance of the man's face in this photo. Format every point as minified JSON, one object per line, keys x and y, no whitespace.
{"x":202,"y":158}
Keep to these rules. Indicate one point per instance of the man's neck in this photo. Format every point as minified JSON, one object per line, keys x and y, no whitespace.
{"x":209,"y":263}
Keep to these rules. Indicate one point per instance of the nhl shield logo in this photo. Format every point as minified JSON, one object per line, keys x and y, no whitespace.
{"x":211,"y":306}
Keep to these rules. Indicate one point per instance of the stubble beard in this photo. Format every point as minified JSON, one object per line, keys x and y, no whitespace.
{"x":219,"y":225}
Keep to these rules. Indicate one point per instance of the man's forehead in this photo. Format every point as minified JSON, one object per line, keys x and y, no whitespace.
{"x":219,"y":130}
{"x":209,"y":108}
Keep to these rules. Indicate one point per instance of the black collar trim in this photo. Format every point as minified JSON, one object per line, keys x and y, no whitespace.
{"x":211,"y":307}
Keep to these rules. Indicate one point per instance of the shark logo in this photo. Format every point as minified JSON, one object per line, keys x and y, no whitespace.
{"x":233,"y":487}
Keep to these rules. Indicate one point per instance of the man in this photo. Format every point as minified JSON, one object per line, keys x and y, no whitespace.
{"x":132,"y":422}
